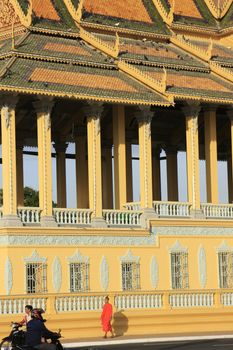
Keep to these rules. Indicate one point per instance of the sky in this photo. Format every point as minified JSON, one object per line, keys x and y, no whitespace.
{"x":31,"y":177}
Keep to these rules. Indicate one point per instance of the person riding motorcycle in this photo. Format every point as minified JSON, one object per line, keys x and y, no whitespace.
{"x":36,"y":330}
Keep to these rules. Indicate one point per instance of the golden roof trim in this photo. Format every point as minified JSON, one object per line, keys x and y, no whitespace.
{"x":26,"y":20}
{"x":82,"y":96}
{"x":218,"y":11}
{"x":200,"y":98}
{"x":195,"y":28}
{"x":221,"y":71}
{"x":166,"y":16}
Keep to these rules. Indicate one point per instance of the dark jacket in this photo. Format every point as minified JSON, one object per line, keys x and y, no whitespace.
{"x":35,"y":330}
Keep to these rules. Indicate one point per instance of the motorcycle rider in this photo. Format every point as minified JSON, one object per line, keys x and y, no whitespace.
{"x":27,"y":316}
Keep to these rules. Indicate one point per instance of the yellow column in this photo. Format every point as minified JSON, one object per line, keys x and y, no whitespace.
{"x":230,"y":161}
{"x":211,"y":156}
{"x":172,"y":173}
{"x":60,"y":148}
{"x":9,"y":182}
{"x":107,"y":177}
{"x":93,"y":113}
{"x":192,"y":151}
{"x":81,"y":172}
{"x":129,"y":172}
{"x":156,"y":175}
{"x":43,"y":110}
{"x":19,"y":167}
{"x":119,"y":156}
{"x":145,"y":156}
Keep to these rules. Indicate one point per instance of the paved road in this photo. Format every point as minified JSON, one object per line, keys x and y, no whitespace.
{"x":166,"y":345}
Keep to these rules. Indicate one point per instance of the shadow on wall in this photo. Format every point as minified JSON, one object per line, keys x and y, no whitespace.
{"x":119,"y":324}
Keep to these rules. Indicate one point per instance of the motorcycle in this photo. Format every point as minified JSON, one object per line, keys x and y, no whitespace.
{"x":16,"y":340}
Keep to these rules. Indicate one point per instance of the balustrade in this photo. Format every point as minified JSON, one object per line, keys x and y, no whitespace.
{"x":29,"y":215}
{"x":138,"y":301}
{"x":79,"y":303}
{"x":185,"y":300}
{"x":16,"y":305}
{"x":122,"y":217}
{"x":172,"y":209}
{"x":220,"y":211}
{"x":72,"y":216}
{"x":133,"y":206}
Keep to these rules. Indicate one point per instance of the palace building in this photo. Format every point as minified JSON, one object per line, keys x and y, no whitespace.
{"x":108,"y":77}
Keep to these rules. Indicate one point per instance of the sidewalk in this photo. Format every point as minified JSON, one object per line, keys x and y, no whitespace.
{"x":149,"y":338}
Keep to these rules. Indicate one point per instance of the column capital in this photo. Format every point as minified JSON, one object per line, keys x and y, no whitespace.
{"x":93,"y":110}
{"x":44,"y":105}
{"x":60,"y":146}
{"x":10,"y":101}
{"x":192,"y":109}
{"x":144,"y":114}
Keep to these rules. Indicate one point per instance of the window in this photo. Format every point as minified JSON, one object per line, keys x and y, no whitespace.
{"x":36,"y":278}
{"x":79,"y":277}
{"x":130,"y":275}
{"x":225,"y":263}
{"x":179,"y":270}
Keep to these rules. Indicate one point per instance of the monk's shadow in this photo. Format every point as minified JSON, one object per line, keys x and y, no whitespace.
{"x":120,"y":323}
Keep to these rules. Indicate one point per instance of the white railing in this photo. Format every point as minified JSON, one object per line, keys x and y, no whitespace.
{"x":72,"y":216}
{"x":220,"y":211}
{"x":191,"y":300}
{"x":227,"y":299}
{"x":133,"y":206}
{"x":29,"y":215}
{"x":138,"y":301}
{"x":17,"y":305}
{"x":172,"y":209}
{"x":79,"y":303}
{"x":122,"y":217}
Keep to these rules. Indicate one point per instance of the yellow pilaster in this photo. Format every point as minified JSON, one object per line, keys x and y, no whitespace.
{"x":211,"y":156}
{"x":172,"y":174}
{"x":119,"y":156}
{"x":93,"y":113}
{"x":19,"y":166}
{"x":156,"y":175}
{"x":145,"y":156}
{"x":60,"y":148}
{"x":192,"y":151}
{"x":129,"y":172}
{"x":43,"y":110}
{"x":81,"y":172}
{"x":9,"y":170}
{"x":107,"y":177}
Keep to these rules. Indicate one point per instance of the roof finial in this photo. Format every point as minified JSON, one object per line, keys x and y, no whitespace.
{"x":117,"y":44}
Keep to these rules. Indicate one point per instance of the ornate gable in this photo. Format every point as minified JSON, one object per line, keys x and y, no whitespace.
{"x":7,"y":14}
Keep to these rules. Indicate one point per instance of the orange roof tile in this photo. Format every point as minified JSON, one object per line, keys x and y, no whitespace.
{"x":190,"y":82}
{"x":119,"y":8}
{"x":147,"y":50}
{"x":80,"y":79}
{"x":45,"y":9}
{"x":186,"y":8}
{"x":77,"y":50}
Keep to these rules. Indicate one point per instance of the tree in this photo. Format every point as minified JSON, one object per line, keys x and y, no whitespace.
{"x":31,"y":197}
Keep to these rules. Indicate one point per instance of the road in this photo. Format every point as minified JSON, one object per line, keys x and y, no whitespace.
{"x":212,"y":344}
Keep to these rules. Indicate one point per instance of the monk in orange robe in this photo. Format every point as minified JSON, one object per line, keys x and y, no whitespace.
{"x":106,"y":318}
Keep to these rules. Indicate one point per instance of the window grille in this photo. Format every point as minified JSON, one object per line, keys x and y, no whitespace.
{"x":36,"y":278}
{"x":130,"y":275}
{"x":79,"y":277}
{"x":179,"y":270}
{"x":225,"y":263}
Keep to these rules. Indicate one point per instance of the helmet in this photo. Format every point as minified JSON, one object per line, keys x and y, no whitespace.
{"x":37,"y":313}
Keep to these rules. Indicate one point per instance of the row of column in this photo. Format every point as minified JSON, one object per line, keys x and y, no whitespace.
{"x":90,"y":187}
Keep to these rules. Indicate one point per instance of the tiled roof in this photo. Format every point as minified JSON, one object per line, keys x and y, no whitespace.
{"x":61,"y":48}
{"x":77,"y":82}
{"x":142,"y":16}
{"x":203,"y":85}
{"x":45,"y":9}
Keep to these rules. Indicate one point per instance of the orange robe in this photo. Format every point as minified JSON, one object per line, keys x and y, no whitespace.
{"x":106,"y":317}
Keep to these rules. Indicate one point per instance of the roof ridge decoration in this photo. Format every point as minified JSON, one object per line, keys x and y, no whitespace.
{"x":185,"y":44}
{"x":166,"y":16}
{"x":218,"y":11}
{"x":100,"y":44}
{"x":76,"y":13}
{"x":26,"y":19}
{"x":222,"y":71}
{"x":158,"y":85}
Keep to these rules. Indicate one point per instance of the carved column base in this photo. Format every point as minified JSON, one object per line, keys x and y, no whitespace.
{"x":98,"y":222}
{"x":48,"y":221}
{"x":148,"y":214}
{"x":197,"y":214}
{"x":10,"y":220}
